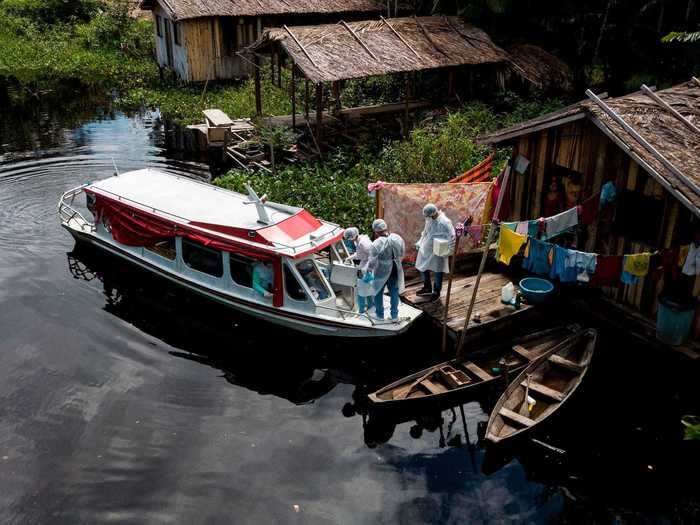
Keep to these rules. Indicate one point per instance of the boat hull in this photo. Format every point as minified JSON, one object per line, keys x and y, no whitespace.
{"x":286,"y":318}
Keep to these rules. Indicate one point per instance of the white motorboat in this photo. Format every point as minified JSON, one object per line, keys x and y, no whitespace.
{"x":272,"y":261}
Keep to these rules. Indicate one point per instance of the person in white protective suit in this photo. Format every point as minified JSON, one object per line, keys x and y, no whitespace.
{"x":361,"y":245}
{"x":384,"y":268}
{"x":437,"y":226}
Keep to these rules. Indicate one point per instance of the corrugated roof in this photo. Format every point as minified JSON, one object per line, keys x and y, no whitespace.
{"x":332,"y":52}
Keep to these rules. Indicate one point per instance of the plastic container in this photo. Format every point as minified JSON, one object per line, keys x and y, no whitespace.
{"x":673,"y":321}
{"x":441,"y":247}
{"x":508,"y":293}
{"x":536,"y":290}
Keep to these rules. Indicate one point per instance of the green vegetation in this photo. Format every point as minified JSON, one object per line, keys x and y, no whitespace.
{"x":691,"y":426}
{"x":336,"y":188}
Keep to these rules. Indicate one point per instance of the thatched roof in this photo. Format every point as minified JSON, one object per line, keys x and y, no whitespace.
{"x":540,"y":67}
{"x":331,"y":52}
{"x":184,"y":9}
{"x":668,"y":134}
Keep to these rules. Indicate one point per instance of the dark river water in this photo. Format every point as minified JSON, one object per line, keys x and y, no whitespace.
{"x":125,"y":400}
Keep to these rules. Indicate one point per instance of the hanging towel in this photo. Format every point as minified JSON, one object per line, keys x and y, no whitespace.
{"x":584,"y":263}
{"x":637,"y":264}
{"x":692,"y":261}
{"x":608,"y":270}
{"x":533,"y":228}
{"x":537,"y":260}
{"x":683,"y":254}
{"x":559,"y":269}
{"x":561,"y":222}
{"x":509,"y":243}
{"x":607,"y":193}
{"x":522,"y":228}
{"x":588,"y":211}
{"x":510,"y":225}
{"x":628,"y":278}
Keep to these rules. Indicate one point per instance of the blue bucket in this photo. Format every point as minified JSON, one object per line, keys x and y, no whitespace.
{"x":536,"y":290}
{"x":673,"y":322}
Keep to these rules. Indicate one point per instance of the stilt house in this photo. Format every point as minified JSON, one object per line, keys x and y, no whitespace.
{"x":648,"y":144}
{"x":199,"y":39}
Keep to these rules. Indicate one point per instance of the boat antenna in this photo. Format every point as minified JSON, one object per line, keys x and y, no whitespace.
{"x":116,"y":170}
{"x":259,"y":202}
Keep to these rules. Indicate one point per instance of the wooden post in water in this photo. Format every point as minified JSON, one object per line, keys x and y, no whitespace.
{"x":489,"y":240}
{"x":452,"y":261}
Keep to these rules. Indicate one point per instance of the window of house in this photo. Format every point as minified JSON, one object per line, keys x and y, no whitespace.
{"x":294,"y":289}
{"x":176,"y":33}
{"x":165,"y":249}
{"x":159,"y":26}
{"x":313,"y":279}
{"x":241,"y":270}
{"x":202,"y":259}
{"x":229,"y":35}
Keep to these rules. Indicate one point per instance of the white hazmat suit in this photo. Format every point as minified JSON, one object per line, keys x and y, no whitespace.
{"x":384,"y":254}
{"x":439,"y":228}
{"x":363,"y":246}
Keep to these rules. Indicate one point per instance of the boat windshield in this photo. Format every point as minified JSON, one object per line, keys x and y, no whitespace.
{"x":313,"y":279}
{"x":341,"y":252}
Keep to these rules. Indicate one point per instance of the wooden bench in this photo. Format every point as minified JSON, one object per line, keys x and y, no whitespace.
{"x":514,"y":416}
{"x":565,"y":363}
{"x":477,"y":371}
{"x":432,"y":387}
{"x":520,"y":350}
{"x":544,"y":390}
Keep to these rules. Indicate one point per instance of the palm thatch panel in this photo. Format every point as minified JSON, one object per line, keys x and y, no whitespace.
{"x":332,"y":52}
{"x":184,"y":9}
{"x":540,"y":67}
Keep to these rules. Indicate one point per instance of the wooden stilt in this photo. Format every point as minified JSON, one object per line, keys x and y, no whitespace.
{"x":335,"y":86}
{"x":258,"y":98}
{"x":306,"y":99}
{"x":319,"y":112}
{"x":294,"y":97}
{"x":489,"y":240}
{"x":452,"y":260}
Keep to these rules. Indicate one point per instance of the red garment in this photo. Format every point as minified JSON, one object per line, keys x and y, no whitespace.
{"x":588,"y":210}
{"x":608,"y":269}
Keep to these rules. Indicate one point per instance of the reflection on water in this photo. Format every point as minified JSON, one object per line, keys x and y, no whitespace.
{"x":124,"y":398}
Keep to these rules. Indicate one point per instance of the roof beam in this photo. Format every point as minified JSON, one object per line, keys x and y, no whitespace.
{"x":289,"y":32}
{"x":399,"y":36}
{"x":643,"y":142}
{"x":697,"y":82}
{"x":656,"y":98}
{"x":355,"y":35}
{"x":427,"y":35}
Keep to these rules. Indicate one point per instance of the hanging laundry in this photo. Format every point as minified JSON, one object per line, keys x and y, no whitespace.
{"x":628,"y":278}
{"x":510,"y":225}
{"x":608,"y":270}
{"x":608,"y":193}
{"x":561,"y":222}
{"x":509,"y":243}
{"x":588,"y":211}
{"x":683,"y":254}
{"x":475,"y":232}
{"x":692,"y":260}
{"x":637,"y":264}
{"x":533,"y":228}
{"x":522,"y":228}
{"x":584,"y":263}
{"x":559,"y":269}
{"x":537,"y":257}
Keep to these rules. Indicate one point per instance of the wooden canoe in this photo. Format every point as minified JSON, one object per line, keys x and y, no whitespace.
{"x":447,"y":381}
{"x":548,"y":381}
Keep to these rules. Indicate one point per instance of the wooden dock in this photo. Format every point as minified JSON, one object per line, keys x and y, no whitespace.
{"x":493,"y":313}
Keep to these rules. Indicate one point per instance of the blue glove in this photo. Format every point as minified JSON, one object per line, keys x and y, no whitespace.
{"x":368,"y":277}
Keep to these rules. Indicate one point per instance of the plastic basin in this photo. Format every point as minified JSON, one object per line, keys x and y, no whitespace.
{"x":536,"y":290}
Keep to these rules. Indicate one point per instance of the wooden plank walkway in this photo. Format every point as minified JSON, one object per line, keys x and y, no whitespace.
{"x":488,"y":302}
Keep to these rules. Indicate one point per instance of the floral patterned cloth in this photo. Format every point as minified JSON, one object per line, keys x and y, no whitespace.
{"x":403,"y":208}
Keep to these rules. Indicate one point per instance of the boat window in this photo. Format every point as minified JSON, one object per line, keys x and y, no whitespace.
{"x":202,"y":259}
{"x":309,"y":272}
{"x":291,"y":284}
{"x":159,"y":26}
{"x":340,"y":252}
{"x":241,"y":270}
{"x":164,"y":248}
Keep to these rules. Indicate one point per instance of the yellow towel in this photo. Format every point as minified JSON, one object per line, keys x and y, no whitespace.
{"x":637,"y":264}
{"x":683,"y":254}
{"x":509,"y":243}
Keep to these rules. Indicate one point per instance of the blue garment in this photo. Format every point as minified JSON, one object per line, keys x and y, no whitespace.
{"x":584,"y":263}
{"x":533,"y":228}
{"x":429,"y":285}
{"x":559,"y":269}
{"x":628,"y":278}
{"x":537,"y":260}
{"x":510,"y":225}
{"x":393,"y":285}
{"x":607,"y":193}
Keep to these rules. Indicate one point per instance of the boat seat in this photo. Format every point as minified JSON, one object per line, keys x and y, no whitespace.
{"x":514,"y":416}
{"x":476,"y":370}
{"x":433,"y":387}
{"x":565,"y":363}
{"x":544,"y":390}
{"x":521,"y":350}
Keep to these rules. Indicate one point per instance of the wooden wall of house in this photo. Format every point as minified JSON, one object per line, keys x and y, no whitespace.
{"x":166,"y":35}
{"x":582,"y":147}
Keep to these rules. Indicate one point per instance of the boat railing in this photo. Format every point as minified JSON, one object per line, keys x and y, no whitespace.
{"x":67,"y":212}
{"x":349,"y":313}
